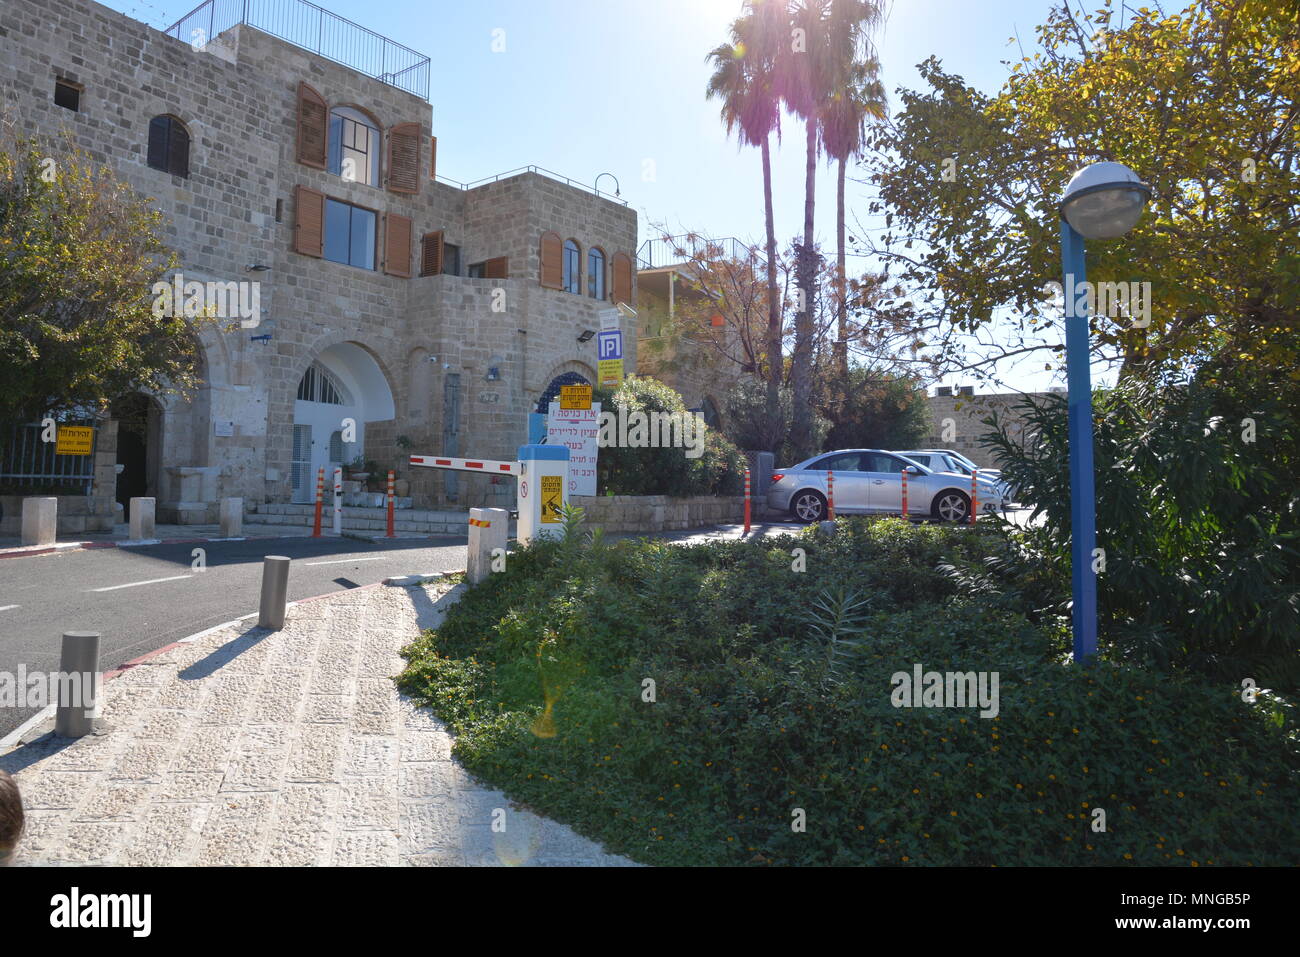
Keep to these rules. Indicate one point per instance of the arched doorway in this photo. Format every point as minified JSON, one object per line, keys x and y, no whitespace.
{"x":344,"y":383}
{"x":552,"y":392}
{"x":139,"y":435}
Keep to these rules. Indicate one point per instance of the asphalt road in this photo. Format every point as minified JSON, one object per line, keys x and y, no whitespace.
{"x":141,"y":599}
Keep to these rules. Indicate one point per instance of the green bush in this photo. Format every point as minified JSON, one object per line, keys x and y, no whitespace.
{"x":718,"y":470}
{"x":541,"y":673}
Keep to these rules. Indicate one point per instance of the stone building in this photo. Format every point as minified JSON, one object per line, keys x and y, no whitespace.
{"x":432,"y":314}
{"x":956,"y":420}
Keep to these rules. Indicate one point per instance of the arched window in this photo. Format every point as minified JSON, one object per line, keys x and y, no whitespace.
{"x":318,"y":385}
{"x":596,"y":273}
{"x":552,"y":392}
{"x":169,"y":146}
{"x":572,"y":267}
{"x":354,"y":146}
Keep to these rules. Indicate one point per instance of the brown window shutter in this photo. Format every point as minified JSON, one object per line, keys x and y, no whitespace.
{"x":404,"y":158}
{"x":313,"y":122}
{"x":431,"y":254}
{"x":309,"y":221}
{"x":551,"y":256}
{"x":433,"y":157}
{"x":498,"y":268}
{"x":397,"y":245}
{"x":621,"y":265}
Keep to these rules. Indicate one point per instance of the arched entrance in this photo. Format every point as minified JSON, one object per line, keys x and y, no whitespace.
{"x":139,"y":446}
{"x":343,"y":383}
{"x":552,"y":392}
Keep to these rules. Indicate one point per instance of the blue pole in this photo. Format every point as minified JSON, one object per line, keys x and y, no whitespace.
{"x":1083,"y":495}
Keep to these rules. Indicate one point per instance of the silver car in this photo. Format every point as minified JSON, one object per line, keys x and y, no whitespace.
{"x":944,"y":460}
{"x":869,"y":482}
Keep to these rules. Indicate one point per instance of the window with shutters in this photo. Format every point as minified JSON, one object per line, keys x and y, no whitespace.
{"x":550,"y":254}
{"x":621,"y":266}
{"x":169,"y":146}
{"x":349,"y":234}
{"x":572,"y":267}
{"x":498,"y":268}
{"x":432,"y":253}
{"x":67,"y":95}
{"x":313,"y":121}
{"x":596,"y":272}
{"x":354,"y":146}
{"x":397,"y":245}
{"x":404,"y":158}
{"x":450,"y":259}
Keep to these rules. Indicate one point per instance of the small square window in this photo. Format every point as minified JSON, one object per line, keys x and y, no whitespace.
{"x":67,"y":95}
{"x":476,"y":270}
{"x":450,"y":259}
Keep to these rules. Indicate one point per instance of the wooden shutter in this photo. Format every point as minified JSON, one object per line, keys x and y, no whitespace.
{"x":404,"y":158}
{"x":551,"y":256}
{"x":313,"y":123}
{"x":621,"y":265}
{"x":309,"y":221}
{"x":431,"y":250}
{"x":433,"y":157}
{"x":397,"y":245}
{"x":497,"y":268}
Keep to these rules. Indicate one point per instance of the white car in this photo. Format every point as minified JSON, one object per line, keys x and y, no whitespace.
{"x":870,"y":482}
{"x":946,"y":460}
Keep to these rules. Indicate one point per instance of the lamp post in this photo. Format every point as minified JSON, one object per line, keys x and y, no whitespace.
{"x":1101,"y":201}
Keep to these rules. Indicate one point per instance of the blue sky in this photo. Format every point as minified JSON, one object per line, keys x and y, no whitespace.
{"x":584,"y":87}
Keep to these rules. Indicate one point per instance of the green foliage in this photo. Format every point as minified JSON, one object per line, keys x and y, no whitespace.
{"x":748,"y":423}
{"x":666,"y":470}
{"x":1201,"y":529}
{"x":79,"y":254}
{"x":870,"y":409}
{"x":541,"y":674}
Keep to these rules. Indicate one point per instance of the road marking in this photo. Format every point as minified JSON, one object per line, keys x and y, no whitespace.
{"x":151,"y":581}
{"x":7,"y":607}
{"x":344,"y":561}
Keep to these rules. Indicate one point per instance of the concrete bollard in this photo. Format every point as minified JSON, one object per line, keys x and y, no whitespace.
{"x":79,"y":684}
{"x":488,"y":531}
{"x":232,"y":517}
{"x":142,"y":512}
{"x":275,"y":592}
{"x":40,"y":521}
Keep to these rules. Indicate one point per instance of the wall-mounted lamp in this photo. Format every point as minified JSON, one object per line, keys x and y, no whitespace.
{"x":596,"y":187}
{"x":257,"y":267}
{"x":585,"y":335}
{"x":265,"y":337}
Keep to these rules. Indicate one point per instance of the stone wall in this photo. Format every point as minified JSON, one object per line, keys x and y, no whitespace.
{"x":658,"y":513}
{"x":78,"y":514}
{"x":956,"y":422}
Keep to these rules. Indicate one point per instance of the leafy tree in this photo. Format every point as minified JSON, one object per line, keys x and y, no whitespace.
{"x":79,"y":254}
{"x":868,"y":408}
{"x":747,"y":425}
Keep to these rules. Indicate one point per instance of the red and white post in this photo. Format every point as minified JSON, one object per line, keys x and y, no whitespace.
{"x":746,"y":501}
{"x":338,"y":501}
{"x":391,"y":487}
{"x":830,"y":496}
{"x":320,"y":501}
{"x":905,"y":494}
{"x":974,"y":499}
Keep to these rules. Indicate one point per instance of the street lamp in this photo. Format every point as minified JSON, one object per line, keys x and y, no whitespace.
{"x":1102,"y":201}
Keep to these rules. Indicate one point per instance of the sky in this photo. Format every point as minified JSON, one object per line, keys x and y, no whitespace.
{"x":584,"y":87}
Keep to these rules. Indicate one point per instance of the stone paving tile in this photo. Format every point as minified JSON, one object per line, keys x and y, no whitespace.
{"x":292,"y":748}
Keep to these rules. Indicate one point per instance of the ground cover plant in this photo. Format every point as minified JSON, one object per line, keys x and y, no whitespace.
{"x":695,"y":704}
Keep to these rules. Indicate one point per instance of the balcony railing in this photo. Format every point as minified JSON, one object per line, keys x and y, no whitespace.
{"x":672,"y":250}
{"x":312,"y":28}
{"x":541,"y":171}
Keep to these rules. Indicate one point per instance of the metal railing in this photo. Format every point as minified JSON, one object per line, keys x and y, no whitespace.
{"x":672,"y":250}
{"x":531,"y":169}
{"x":28,"y":461}
{"x":313,"y":28}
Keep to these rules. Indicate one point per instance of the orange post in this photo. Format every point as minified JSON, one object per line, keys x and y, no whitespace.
{"x":904,"y":493}
{"x":390,"y":504}
{"x":830,"y":496}
{"x":974,"y":498}
{"x":746,"y":501}
{"x":320,"y":499}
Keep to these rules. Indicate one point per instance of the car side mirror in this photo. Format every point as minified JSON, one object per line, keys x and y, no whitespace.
{"x":912,"y":470}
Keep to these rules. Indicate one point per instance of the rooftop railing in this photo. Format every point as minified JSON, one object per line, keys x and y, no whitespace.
{"x":532,"y":169}
{"x":312,"y":28}
{"x":672,"y":250}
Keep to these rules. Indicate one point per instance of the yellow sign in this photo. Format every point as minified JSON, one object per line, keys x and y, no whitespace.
{"x":575,"y":397}
{"x":74,"y":440}
{"x":552,"y":497}
{"x":611,"y":371}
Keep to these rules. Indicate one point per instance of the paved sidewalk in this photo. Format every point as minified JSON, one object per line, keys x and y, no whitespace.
{"x":247,"y":747}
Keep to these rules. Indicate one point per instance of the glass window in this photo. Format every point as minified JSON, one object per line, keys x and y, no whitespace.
{"x":169,"y":146}
{"x":839,"y":462}
{"x":354,"y":146}
{"x":349,"y":234}
{"x":878,"y":462}
{"x":450,"y":260}
{"x":595,"y":273}
{"x":572,"y":267}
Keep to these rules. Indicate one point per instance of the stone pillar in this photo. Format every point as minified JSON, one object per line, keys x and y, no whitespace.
{"x":232,"y":517}
{"x":488,"y":531}
{"x":142,"y":512}
{"x":40,"y":521}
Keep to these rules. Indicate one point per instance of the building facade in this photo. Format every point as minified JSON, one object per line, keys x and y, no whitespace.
{"x":396,"y":308}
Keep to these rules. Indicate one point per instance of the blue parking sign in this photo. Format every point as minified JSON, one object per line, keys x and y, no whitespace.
{"x":609,"y":344}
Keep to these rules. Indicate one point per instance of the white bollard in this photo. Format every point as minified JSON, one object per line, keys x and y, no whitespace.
{"x":489,"y":529}
{"x":232,"y":517}
{"x":142,"y":524}
{"x":40,"y":521}
{"x":338,"y":501}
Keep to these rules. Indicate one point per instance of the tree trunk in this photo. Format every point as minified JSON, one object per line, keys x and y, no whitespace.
{"x":775,"y":326}
{"x":801,"y":364}
{"x":841,"y":305}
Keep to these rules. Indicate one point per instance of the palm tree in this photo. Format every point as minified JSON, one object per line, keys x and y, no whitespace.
{"x":743,"y":79}
{"x":843,"y":126}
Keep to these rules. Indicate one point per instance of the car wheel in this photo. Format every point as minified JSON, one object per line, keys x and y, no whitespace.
{"x":808,"y":506}
{"x":951,"y":506}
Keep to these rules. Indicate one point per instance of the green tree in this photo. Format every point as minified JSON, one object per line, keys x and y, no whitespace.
{"x":79,"y":254}
{"x":870,"y":408}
